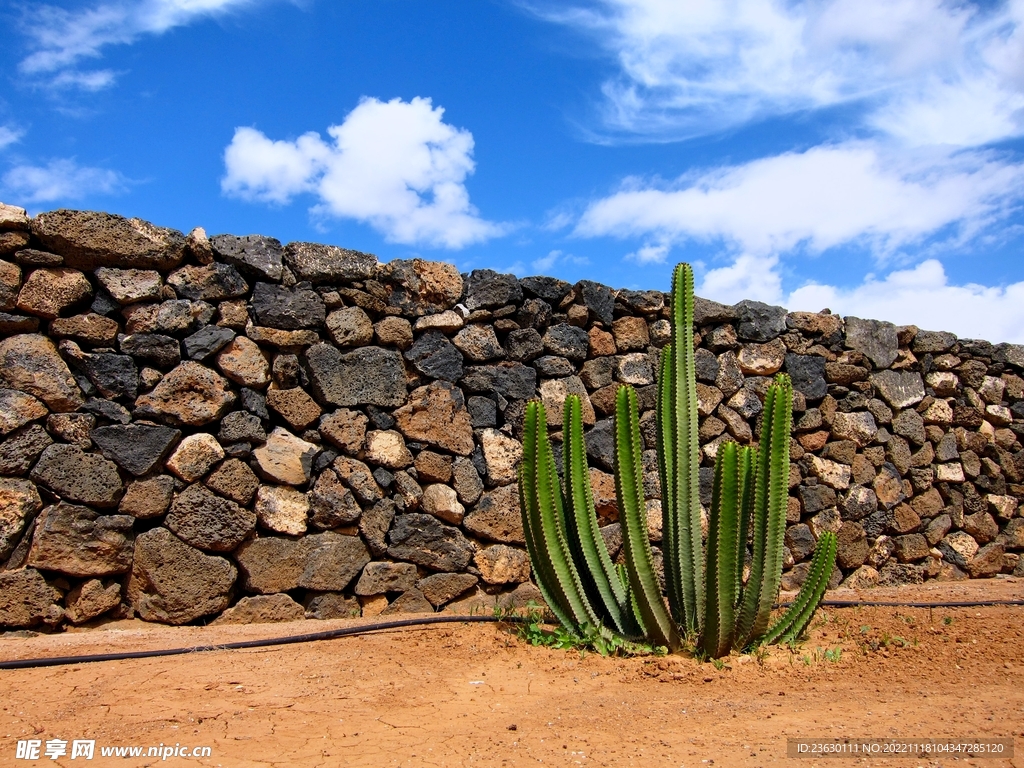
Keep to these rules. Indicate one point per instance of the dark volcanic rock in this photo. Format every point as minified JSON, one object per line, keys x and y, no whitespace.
{"x":369,"y":375}
{"x":209,"y":522}
{"x":254,"y":254}
{"x":19,"y":451}
{"x":551,"y":289}
{"x":162,"y":351}
{"x":567,"y":341}
{"x":174,"y":583}
{"x":808,"y":374}
{"x":875,"y":339}
{"x":87,"y":240}
{"x":599,"y":299}
{"x":486,"y":289}
{"x":434,"y":356}
{"x":759,"y":322}
{"x":426,"y":541}
{"x":512,"y":380}
{"x":113,"y":375}
{"x":79,"y":541}
{"x":75,"y":475}
{"x":291,"y":309}
{"x":135,"y":447}
{"x":206,"y":341}
{"x":212,"y":282}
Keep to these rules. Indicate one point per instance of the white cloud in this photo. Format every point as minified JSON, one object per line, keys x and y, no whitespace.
{"x":61,"y":39}
{"x":927,"y":71}
{"x":9,"y":135}
{"x":394,"y":165}
{"x":61,"y":179}
{"x":923,"y":296}
{"x":818,"y":199}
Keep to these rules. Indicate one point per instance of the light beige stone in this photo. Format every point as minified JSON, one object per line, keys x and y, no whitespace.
{"x":128,"y":286}
{"x":762,"y":359}
{"x":48,"y":292}
{"x":446,"y":322}
{"x":285,"y":458}
{"x":282,"y":509}
{"x":502,"y":455}
{"x":442,"y":502}
{"x":387,"y":448}
{"x":831,"y":473}
{"x":243,"y":362}
{"x":18,"y":409}
{"x":502,"y":564}
{"x":949,"y":473}
{"x":195,"y":456}
{"x":553,"y":393}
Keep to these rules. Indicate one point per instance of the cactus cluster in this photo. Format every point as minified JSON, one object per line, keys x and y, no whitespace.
{"x":708,"y":599}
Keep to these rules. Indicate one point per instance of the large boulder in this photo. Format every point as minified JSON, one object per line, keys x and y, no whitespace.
{"x":419,"y":287}
{"x":74,"y":475}
{"x":326,"y":562}
{"x":875,"y":339}
{"x":328,"y":263}
{"x":256,"y":255}
{"x":87,"y":239}
{"x":174,"y":583}
{"x":30,"y":363}
{"x":79,"y":541}
{"x":190,"y":395}
{"x":365,"y":376}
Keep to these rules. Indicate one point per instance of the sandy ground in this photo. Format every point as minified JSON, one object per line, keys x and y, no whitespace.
{"x":474,"y":694}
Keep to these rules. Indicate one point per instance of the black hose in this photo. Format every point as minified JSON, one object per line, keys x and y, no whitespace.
{"x":330,"y":634}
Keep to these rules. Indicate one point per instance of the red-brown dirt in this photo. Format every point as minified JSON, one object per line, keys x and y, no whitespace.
{"x":475,"y":694}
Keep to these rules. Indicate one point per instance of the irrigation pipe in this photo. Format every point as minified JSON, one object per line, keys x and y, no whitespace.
{"x":331,"y":634}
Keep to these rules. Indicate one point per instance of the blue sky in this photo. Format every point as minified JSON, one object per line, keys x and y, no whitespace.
{"x":861,"y":155}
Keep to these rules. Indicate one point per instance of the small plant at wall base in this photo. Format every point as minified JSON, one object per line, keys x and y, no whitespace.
{"x":708,"y":602}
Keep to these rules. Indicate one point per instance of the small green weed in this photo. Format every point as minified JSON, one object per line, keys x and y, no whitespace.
{"x":534,"y":631}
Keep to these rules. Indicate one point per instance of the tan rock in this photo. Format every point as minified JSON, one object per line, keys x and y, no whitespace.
{"x":89,"y":328}
{"x":10,"y":285}
{"x":601,"y":343}
{"x":13,"y":218}
{"x":502,"y":455}
{"x":295,"y":405}
{"x":762,"y":359}
{"x":30,"y":363}
{"x":631,"y":333}
{"x":243,"y":362}
{"x":18,"y":500}
{"x":446,"y":322}
{"x":262,"y":609}
{"x":387,"y":448}
{"x":91,"y":599}
{"x":395,"y":332}
{"x":48,"y":292}
{"x":1004,"y":507}
{"x":350,"y":327}
{"x":195,"y":456}
{"x":147,"y":498}
{"x":344,"y":429}
{"x":420,"y":287}
{"x":17,"y":409}
{"x":128,"y":286}
{"x":553,"y":393}
{"x":502,"y":564}
{"x":949,"y":473}
{"x":433,"y":467}
{"x":833,"y":474}
{"x":275,"y":337}
{"x":442,"y":502}
{"x":282,"y":509}
{"x":191,"y":394}
{"x":437,"y":414}
{"x":285,"y":458}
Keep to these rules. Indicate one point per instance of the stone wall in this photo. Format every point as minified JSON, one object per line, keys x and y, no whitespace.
{"x":229,"y":429}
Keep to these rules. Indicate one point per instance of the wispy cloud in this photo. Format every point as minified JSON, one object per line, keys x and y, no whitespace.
{"x":60,"y":40}
{"x":9,"y":135}
{"x":395,"y":165}
{"x":59,"y":180}
{"x":926,"y":71}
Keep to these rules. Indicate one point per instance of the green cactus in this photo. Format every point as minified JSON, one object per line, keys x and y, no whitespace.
{"x":707,"y":597}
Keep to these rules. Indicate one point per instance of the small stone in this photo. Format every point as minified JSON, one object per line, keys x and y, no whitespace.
{"x":553,"y":393}
{"x":79,"y":541}
{"x":26,"y":599}
{"x":209,"y":522}
{"x":212,"y":282}
{"x":888,"y":486}
{"x":344,"y":429}
{"x":762,"y":359}
{"x":380,"y":578}
{"x":903,"y":519}
{"x":831,"y":473}
{"x":91,"y":599}
{"x":74,"y":475}
{"x":262,"y":609}
{"x":949,"y":473}
{"x":162,"y":351}
{"x":436,"y":357}
{"x":411,"y":601}
{"x":282,"y":509}
{"x":466,"y":481}
{"x":566,"y":341}
{"x":350,"y":327}
{"x":357,"y":476}
{"x":275,"y":337}
{"x":30,"y":363}
{"x":433,"y":467}
{"x":858,"y":503}
{"x":48,"y":292}
{"x":387,"y":448}
{"x":19,"y":451}
{"x":395,"y":331}
{"x":634,"y":368}
{"x":149,"y":498}
{"x":90,"y":329}
{"x":243,"y":362}
{"x":369,"y":375}
{"x":442,"y":502}
{"x":859,"y":427}
{"x":510,"y":380}
{"x":174,"y":583}
{"x":331,"y":504}
{"x":1004,"y":507}
{"x":207,"y":341}
{"x":195,"y":456}
{"x":18,"y":409}
{"x":448,"y":321}
{"x":502,"y":455}
{"x":424,"y":540}
{"x":331,"y":605}
{"x":440,"y":588}
{"x":19,"y":501}
{"x":241,"y":427}
{"x":191,"y":395}
{"x":285,"y":458}
{"x":436,"y":414}
{"x":479,"y":343}
{"x":502,"y":564}
{"x":852,"y":545}
{"x":497,"y":517}
{"x":875,"y":339}
{"x":419,"y":287}
{"x":901,"y":389}
{"x":486,"y":288}
{"x":958,"y":548}
{"x":328,"y":263}
{"x":981,"y":526}
{"x":295,"y":405}
{"x":128,"y":286}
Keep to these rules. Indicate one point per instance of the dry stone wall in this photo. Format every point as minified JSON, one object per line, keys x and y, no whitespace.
{"x":226,"y":429}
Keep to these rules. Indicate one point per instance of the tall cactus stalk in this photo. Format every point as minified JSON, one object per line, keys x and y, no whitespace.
{"x":707,"y":596}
